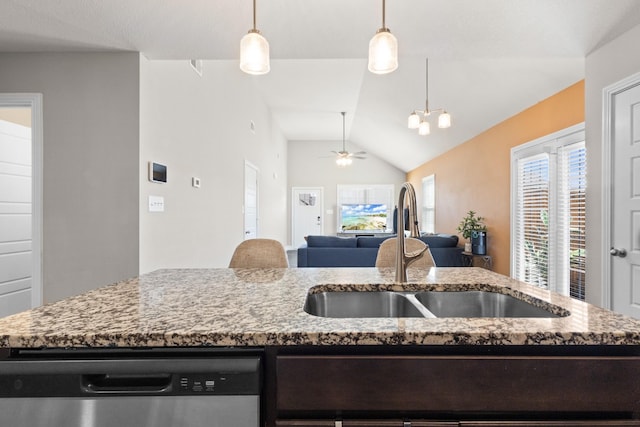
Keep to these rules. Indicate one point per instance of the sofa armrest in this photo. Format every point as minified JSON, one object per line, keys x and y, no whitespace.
{"x":303,"y":260}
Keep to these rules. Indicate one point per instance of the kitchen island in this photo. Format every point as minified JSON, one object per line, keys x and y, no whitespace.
{"x":581,"y":365}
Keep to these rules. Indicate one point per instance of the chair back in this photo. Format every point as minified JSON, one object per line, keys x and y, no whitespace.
{"x":259,"y":253}
{"x":387,"y":253}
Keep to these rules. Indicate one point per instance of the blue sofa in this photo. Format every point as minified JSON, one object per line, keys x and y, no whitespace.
{"x":334,"y":251}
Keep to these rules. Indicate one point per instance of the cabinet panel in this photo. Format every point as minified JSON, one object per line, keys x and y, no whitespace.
{"x":363,"y":423}
{"x":464,"y":384}
{"x":585,"y":423}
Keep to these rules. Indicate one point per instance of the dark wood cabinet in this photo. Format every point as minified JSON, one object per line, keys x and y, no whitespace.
{"x":364,"y":423}
{"x":586,"y":388}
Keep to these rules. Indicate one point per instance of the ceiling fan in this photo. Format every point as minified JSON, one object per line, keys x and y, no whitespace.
{"x":345,"y":158}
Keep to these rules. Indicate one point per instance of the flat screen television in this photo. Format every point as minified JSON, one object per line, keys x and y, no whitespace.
{"x":363,"y":217}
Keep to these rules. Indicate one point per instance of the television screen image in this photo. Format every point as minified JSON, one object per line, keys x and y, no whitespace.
{"x":361,"y":217}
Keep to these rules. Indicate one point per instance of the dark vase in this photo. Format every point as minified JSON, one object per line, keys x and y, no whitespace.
{"x":479,"y":242}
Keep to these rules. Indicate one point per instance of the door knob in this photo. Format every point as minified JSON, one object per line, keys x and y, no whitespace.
{"x":618,"y":252}
{"x":247,"y":232}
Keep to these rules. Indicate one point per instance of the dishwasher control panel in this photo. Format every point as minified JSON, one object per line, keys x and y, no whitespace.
{"x":218,"y":383}
{"x":215,"y":376}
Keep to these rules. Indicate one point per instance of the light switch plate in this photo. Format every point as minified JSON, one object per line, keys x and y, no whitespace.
{"x":195,"y":182}
{"x":156,"y":204}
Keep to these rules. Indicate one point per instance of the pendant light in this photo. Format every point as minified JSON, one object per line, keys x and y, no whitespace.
{"x":383,"y":49}
{"x":418,"y":118}
{"x":254,"y":50}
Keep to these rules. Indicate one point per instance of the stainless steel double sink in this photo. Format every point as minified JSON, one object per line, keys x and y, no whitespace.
{"x":429,"y":304}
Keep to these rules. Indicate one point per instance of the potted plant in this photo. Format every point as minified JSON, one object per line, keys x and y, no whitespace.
{"x":473,"y":226}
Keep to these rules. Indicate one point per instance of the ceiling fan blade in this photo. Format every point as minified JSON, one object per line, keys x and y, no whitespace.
{"x":359,"y":153}
{"x":359,"y":157}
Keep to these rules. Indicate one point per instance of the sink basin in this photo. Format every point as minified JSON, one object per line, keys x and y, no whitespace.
{"x":359,"y":304}
{"x":478,"y":304}
{"x":362,"y":304}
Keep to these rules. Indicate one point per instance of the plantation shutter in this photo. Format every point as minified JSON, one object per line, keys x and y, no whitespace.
{"x":532,"y":220}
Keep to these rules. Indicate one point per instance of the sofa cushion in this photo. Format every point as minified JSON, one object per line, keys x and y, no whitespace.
{"x":331,"y":242}
{"x":371,"y":242}
{"x":440,"y":240}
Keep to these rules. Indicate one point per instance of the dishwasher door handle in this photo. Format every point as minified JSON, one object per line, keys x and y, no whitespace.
{"x":126,"y":383}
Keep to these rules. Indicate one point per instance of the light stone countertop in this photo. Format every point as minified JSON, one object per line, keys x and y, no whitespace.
{"x":258,"y":307}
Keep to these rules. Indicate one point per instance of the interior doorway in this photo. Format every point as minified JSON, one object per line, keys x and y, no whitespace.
{"x":621,"y":221}
{"x":306,"y":213}
{"x":20,"y":202}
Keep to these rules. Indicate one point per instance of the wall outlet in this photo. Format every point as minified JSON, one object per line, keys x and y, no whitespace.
{"x":156,"y":204}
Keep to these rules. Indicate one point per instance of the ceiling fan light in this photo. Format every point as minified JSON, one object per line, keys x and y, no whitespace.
{"x":444,"y":120}
{"x":254,"y":53}
{"x":414,"y":121}
{"x":343,"y":161}
{"x":424,"y":128}
{"x":383,"y":52}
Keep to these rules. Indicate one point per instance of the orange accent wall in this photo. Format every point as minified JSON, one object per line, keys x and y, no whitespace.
{"x":476,"y":174}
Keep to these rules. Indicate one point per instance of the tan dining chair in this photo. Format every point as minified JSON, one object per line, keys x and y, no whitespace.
{"x":387,"y":253}
{"x":259,"y":253}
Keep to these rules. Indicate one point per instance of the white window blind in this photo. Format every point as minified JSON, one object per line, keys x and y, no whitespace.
{"x":572,"y":172}
{"x":532,"y":220}
{"x":548,"y":212}
{"x":429,"y":204}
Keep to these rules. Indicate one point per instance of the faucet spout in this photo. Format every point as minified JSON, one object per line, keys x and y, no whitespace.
{"x":403,"y":259}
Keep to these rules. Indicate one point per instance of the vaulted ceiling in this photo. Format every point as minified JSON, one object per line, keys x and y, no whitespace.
{"x":488,"y":59}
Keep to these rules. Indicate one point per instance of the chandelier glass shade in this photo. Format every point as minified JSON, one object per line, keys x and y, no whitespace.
{"x":254,"y":50}
{"x":383,"y":49}
{"x":418,"y":119}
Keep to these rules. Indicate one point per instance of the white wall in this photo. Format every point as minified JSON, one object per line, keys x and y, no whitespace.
{"x":90,"y":103}
{"x":605,"y":66}
{"x":200,"y":126}
{"x":311,"y":164}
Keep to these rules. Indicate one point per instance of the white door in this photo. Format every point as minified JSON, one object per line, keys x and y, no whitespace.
{"x":250,"y":201}
{"x":16,"y":257}
{"x":625,"y":207}
{"x":306,"y":213}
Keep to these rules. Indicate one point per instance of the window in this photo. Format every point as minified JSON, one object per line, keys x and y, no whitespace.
{"x":375,"y":197}
{"x":429,"y":204}
{"x":548,"y":212}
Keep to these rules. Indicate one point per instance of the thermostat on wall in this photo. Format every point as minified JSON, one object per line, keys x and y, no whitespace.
{"x":157,"y":172}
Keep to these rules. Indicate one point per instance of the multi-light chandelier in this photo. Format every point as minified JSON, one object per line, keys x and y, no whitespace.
{"x":418,"y":119}
{"x":383,"y":50}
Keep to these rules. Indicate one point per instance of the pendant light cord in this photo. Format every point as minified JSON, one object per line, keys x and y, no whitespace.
{"x":383,"y":14}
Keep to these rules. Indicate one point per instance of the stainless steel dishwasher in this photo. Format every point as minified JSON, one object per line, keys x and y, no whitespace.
{"x":130,"y":388}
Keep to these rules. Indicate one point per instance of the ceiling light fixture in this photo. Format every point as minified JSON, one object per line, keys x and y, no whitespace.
{"x":254,"y":50}
{"x":383,"y":49}
{"x":417,"y":122}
